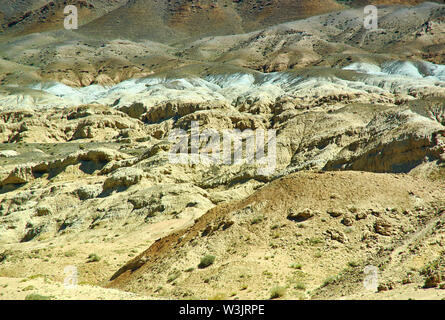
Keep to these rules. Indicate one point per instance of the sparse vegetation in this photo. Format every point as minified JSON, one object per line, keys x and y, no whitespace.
{"x":433,"y":272}
{"x":276,"y":235}
{"x":267,"y":274}
{"x":4,"y":256}
{"x":36,"y":296}
{"x":353,"y":264}
{"x":257,"y":219}
{"x":277,"y":292}
{"x":206,"y":261}
{"x":87,"y":180}
{"x":300,"y":286}
{"x":173,"y":276}
{"x":431,"y":267}
{"x":28,"y":288}
{"x":93,"y":257}
{"x":315,"y":241}
{"x":330,"y":280}
{"x":219,"y":296}
{"x":70,"y":253}
{"x":296,"y":266}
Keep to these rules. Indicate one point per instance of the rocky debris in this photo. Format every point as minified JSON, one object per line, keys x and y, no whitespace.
{"x":335,"y":213}
{"x":345,"y":115}
{"x":21,"y":174}
{"x":32,"y":232}
{"x":116,"y":164}
{"x":374,"y":212}
{"x":180,"y":109}
{"x":385,"y":286}
{"x":221,"y":225}
{"x":337,"y":235}
{"x":101,"y":155}
{"x":390,"y":150}
{"x":124,"y":177}
{"x":44,"y":210}
{"x":156,"y":149}
{"x":93,"y":122}
{"x":136,"y":110}
{"x":8,"y":153}
{"x":383,"y":227}
{"x":88,"y":192}
{"x":361,"y":215}
{"x":300,"y":216}
{"x":28,"y":172}
{"x":433,"y":280}
{"x":348,"y":220}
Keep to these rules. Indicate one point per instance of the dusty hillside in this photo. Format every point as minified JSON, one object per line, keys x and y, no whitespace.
{"x":92,"y":179}
{"x":330,"y":40}
{"x":312,"y":233}
{"x":21,"y":17}
{"x":167,"y":21}
{"x":160,"y":20}
{"x":183,"y":20}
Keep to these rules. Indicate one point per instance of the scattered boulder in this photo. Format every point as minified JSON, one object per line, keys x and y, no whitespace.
{"x":20,"y":175}
{"x":335,"y":213}
{"x":102,"y":155}
{"x":124,"y":177}
{"x":43,"y":210}
{"x":337,"y":235}
{"x":135,"y":110}
{"x":385,"y":286}
{"x":374,"y":212}
{"x":433,"y":280}
{"x":88,"y":192}
{"x":347,"y":220}
{"x":361,"y":215}
{"x":383,"y":227}
{"x":33,"y":232}
{"x":300,"y":216}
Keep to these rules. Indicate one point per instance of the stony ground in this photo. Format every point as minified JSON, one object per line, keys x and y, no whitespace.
{"x":86,"y":180}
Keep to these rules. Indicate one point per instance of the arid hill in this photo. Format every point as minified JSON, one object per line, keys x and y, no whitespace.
{"x":329,"y":40}
{"x":21,"y":17}
{"x":166,"y":21}
{"x":355,"y":128}
{"x":311,"y":233}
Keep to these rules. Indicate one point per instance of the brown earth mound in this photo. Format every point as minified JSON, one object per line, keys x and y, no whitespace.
{"x":296,"y":232}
